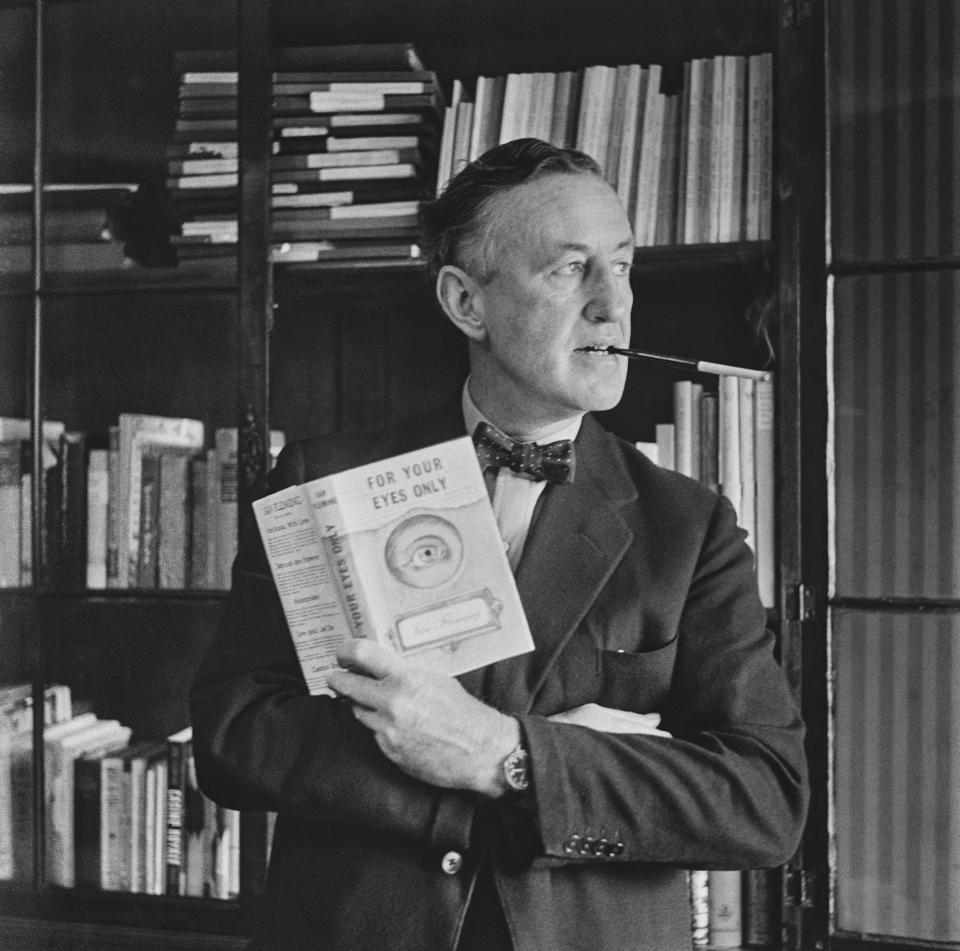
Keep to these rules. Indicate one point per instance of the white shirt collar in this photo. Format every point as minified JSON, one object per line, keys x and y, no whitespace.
{"x":565,"y":429}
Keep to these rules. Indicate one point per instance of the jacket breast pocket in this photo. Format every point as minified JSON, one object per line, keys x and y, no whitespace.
{"x":639,"y":682}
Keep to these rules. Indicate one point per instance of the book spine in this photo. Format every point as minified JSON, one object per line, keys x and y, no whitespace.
{"x":761,"y":920}
{"x":226,"y":445}
{"x":766,"y":520}
{"x":146,"y":573}
{"x":199,"y":514}
{"x":72,"y":517}
{"x":87,"y":821}
{"x":178,"y":752}
{"x":114,"y":870}
{"x":173,"y":546}
{"x":26,"y":514}
{"x":748,"y":484}
{"x":98,"y":495}
{"x":725,"y":897}
{"x":10,"y":515}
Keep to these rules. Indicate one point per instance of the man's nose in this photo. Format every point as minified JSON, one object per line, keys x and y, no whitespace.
{"x":610,"y":297}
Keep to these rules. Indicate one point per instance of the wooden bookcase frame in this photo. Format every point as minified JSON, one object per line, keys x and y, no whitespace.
{"x":40,"y":916}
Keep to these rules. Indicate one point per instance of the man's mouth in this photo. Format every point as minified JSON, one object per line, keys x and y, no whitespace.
{"x":594,"y":348}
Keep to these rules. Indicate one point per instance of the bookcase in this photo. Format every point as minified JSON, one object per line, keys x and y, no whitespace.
{"x":325,"y":347}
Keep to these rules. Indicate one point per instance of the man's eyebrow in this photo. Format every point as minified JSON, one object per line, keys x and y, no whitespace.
{"x":562,"y":246}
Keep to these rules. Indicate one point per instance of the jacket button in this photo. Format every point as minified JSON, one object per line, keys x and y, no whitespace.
{"x":451,"y":863}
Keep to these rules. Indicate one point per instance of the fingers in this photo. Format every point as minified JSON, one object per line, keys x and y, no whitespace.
{"x":610,"y":720}
{"x":359,"y":688}
{"x":367,"y":657}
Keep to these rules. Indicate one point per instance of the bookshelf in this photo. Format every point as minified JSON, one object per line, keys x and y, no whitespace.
{"x":328,"y":346}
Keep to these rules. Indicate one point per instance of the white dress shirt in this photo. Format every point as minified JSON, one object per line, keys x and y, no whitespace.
{"x":515,"y":494}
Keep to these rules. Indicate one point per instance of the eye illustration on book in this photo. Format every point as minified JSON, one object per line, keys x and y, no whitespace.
{"x":424,"y":551}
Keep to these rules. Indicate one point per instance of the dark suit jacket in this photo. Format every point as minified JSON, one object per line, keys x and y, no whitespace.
{"x":640,"y":593}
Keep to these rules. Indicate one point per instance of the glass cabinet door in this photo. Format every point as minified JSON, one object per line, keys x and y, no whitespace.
{"x":893,"y":73}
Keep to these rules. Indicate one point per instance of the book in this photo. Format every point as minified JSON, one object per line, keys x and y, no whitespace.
{"x":761,"y":917}
{"x":728,"y":439}
{"x":725,"y":896}
{"x":766,"y":516}
{"x":155,"y":867}
{"x":596,"y":111}
{"x":139,"y":433}
{"x":70,"y":539}
{"x":488,"y":113}
{"x":179,"y":752}
{"x":10,"y":516}
{"x":200,"y":520}
{"x":225,"y":456}
{"x":748,"y":478}
{"x":405,"y":551}
{"x":149,"y":536}
{"x":173,"y":517}
{"x":306,"y":252}
{"x":98,"y":500}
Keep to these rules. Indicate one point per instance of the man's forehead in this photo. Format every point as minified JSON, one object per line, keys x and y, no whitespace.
{"x":562,"y":211}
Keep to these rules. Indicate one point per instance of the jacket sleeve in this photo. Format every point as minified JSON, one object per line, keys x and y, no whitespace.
{"x":262,"y":742}
{"x":728,"y":789}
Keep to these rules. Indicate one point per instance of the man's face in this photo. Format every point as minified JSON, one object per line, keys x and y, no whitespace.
{"x":562,"y":250}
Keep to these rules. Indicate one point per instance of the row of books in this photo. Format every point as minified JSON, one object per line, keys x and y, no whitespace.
{"x":120,"y":815}
{"x":692,"y":166}
{"x":725,"y":439}
{"x":354,"y":140}
{"x":147,"y":505}
{"x":733,"y":909}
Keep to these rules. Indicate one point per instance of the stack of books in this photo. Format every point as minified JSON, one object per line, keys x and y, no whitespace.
{"x":78,"y":227}
{"x":202,"y":156}
{"x":692,"y":166}
{"x":354,"y":143}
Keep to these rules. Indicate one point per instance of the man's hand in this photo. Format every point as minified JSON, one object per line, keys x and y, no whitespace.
{"x":425,"y":722}
{"x":610,"y":720}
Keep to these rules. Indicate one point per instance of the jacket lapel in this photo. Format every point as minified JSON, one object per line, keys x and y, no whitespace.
{"x":578,"y":538}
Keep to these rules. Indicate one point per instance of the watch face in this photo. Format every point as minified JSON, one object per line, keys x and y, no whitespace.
{"x":515,"y":770}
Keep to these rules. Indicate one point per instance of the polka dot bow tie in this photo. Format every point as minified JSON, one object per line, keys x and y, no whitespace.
{"x":552,"y":461}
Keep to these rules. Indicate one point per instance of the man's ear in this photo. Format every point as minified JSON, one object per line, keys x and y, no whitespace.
{"x":461,"y":300}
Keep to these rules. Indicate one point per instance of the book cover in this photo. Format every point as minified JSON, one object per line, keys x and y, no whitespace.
{"x":405,"y":551}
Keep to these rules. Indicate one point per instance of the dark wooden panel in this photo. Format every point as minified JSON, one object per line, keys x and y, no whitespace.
{"x":162,"y":354}
{"x":130,"y":659}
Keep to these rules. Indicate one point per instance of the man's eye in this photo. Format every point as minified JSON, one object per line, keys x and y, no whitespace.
{"x":571,"y":267}
{"x":622,"y":267}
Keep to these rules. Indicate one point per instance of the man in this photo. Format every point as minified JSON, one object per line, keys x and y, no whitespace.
{"x":535,"y":804}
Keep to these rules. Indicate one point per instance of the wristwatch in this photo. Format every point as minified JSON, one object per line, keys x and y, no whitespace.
{"x":516,"y":769}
